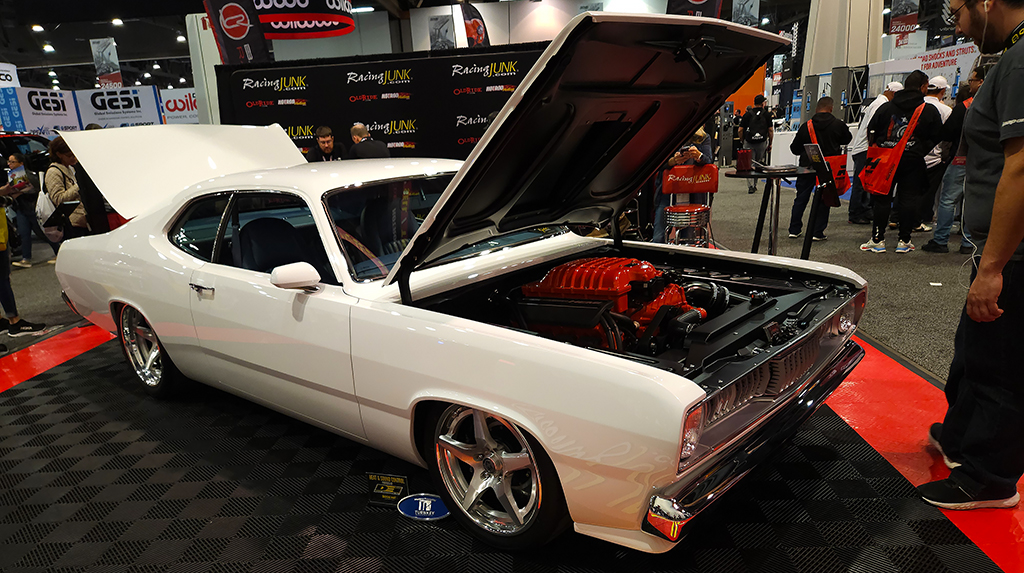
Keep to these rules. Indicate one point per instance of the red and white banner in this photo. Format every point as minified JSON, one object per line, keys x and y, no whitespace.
{"x":108,"y":69}
{"x":179,"y":106}
{"x":705,"y":8}
{"x":236,"y":27}
{"x":305,"y":19}
{"x":903,"y":20}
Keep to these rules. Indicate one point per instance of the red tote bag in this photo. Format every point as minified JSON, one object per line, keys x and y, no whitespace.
{"x":690,"y":179}
{"x":836,"y":164}
{"x":880,"y":167}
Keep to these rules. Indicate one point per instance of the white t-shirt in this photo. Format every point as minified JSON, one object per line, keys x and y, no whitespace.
{"x":860,"y":141}
{"x":934,"y":156}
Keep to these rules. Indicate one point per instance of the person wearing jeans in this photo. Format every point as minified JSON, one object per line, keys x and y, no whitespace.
{"x":25,"y":217}
{"x":860,"y":199}
{"x":10,"y":322}
{"x":951,"y":194}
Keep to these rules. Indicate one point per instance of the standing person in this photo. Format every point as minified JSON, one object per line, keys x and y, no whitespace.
{"x":951,"y":192}
{"x":933,"y":162}
{"x":831,"y":135}
{"x":756,"y":133}
{"x":860,"y":200}
{"x":10,"y":322}
{"x":324,"y":150}
{"x":25,"y":214}
{"x":981,"y":433}
{"x":62,"y":187}
{"x":366,"y":147}
{"x":909,"y":183}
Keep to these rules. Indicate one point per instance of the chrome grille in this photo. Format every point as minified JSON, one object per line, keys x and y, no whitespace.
{"x":769,"y":379}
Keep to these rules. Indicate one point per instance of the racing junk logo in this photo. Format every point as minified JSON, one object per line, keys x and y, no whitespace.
{"x":393,"y":127}
{"x":282,"y":84}
{"x":492,"y":70}
{"x":46,"y":101}
{"x":299,"y":131}
{"x":385,"y":78}
{"x":120,"y":100}
{"x":464,"y":120}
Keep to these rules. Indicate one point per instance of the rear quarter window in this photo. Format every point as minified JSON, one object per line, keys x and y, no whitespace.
{"x":195,"y":231}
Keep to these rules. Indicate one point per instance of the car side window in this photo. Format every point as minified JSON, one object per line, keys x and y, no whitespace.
{"x":196,"y":229}
{"x":265,"y":230}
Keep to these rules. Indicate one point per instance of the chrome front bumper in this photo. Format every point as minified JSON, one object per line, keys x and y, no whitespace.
{"x":667,"y":514}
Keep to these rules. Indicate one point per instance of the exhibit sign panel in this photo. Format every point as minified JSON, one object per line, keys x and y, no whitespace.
{"x":903,"y":19}
{"x":236,"y":27}
{"x":46,"y":111}
{"x":10,"y":111}
{"x":305,"y":19}
{"x":9,"y":76}
{"x":104,"y":56}
{"x":119,"y":107}
{"x":705,"y":8}
{"x":438,"y":106}
{"x":179,"y":106}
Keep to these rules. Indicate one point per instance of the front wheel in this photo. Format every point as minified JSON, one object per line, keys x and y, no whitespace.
{"x":146,"y":356}
{"x":496,"y":480}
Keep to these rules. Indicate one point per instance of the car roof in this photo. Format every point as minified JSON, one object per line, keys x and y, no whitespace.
{"x":314,"y":179}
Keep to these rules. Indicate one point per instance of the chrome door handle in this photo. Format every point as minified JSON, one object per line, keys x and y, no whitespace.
{"x":200,"y":289}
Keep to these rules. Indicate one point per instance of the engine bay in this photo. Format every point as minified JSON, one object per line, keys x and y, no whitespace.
{"x":664,"y":309}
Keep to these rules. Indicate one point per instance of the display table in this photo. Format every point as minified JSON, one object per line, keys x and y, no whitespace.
{"x":772,"y":192}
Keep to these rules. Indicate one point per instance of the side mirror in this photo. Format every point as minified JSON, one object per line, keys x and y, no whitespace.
{"x":296,"y":275}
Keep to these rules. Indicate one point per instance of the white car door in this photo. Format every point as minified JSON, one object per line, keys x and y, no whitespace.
{"x":286,"y":348}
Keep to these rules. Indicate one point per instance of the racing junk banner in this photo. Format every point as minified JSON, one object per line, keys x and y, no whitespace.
{"x":119,"y":107}
{"x":438,"y":106}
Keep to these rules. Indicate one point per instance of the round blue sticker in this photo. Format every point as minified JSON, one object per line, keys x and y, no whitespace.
{"x":423,"y":506}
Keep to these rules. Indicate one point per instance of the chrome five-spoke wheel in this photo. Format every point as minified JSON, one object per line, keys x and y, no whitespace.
{"x":142,"y":347}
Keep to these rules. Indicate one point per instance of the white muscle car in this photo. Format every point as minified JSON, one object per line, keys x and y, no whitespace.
{"x":445,"y":313}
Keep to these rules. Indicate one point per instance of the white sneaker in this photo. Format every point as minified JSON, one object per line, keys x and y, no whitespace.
{"x":873,"y":246}
{"x":904,"y":247}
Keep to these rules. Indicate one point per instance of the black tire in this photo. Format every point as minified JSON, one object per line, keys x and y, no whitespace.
{"x":152,"y":366}
{"x":486,"y":518}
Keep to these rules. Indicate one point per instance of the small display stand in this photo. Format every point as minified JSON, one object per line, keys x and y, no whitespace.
{"x":772,"y":192}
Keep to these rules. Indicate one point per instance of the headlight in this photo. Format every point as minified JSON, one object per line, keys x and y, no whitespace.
{"x":693,"y":427}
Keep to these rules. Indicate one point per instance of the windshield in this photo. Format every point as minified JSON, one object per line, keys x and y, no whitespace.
{"x":374,"y":224}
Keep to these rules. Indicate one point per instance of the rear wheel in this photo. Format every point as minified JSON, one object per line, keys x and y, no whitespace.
{"x":145,"y":354}
{"x":495,"y":479}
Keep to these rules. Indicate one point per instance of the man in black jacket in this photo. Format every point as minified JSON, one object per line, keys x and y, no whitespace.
{"x":910,"y":181}
{"x":324,"y":150}
{"x":832,"y":135}
{"x":365,"y":146}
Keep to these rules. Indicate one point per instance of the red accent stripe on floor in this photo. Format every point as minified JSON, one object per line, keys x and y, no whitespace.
{"x":22,"y":365}
{"x":892,"y":408}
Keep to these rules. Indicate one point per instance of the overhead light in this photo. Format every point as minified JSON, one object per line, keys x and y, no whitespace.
{"x":764,"y":21}
{"x":138,"y":83}
{"x":181,"y":80}
{"x":362,"y":9}
{"x":52,"y":74}
{"x":170,"y":87}
{"x":886,"y":12}
{"x":48,"y":48}
{"x":117,"y":22}
{"x":37,"y":28}
{"x":97,"y":85}
{"x":884,"y":34}
{"x":181,"y":38}
{"x":156,"y":66}
{"x":56,"y":87}
{"x":56,"y":81}
{"x":147,"y":75}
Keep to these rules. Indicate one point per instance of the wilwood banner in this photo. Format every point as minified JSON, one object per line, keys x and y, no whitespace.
{"x":119,"y":107}
{"x":179,"y":106}
{"x":438,"y":106}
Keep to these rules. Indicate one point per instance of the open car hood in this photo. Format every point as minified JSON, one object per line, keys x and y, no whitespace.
{"x":606,"y":104}
{"x":140,"y":168}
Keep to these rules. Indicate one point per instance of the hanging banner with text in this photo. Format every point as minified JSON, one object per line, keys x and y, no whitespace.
{"x":903,"y":20}
{"x":438,"y":106}
{"x":119,"y":108}
{"x":305,"y":19}
{"x":9,"y":76}
{"x":179,"y":106}
{"x":236,"y":28}
{"x":705,"y":8}
{"x":10,"y":112}
{"x":746,"y":12}
{"x":108,"y":69}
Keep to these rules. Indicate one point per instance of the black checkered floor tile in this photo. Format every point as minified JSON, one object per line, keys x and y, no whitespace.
{"x":96,"y":476}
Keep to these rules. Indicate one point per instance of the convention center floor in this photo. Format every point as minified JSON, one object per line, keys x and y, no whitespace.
{"x":97,"y":476}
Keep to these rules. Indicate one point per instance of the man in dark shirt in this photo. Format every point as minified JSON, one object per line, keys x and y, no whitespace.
{"x":980,"y":438}
{"x":910,"y":181}
{"x":366,"y":147}
{"x":756,"y":133}
{"x":324,"y":150}
{"x":831,"y":135}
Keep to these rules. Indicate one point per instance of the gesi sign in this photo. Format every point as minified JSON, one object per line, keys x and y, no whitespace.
{"x":179,"y":106}
{"x":119,"y":107}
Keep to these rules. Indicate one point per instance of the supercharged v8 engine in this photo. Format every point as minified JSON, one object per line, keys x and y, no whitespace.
{"x":620,"y":304}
